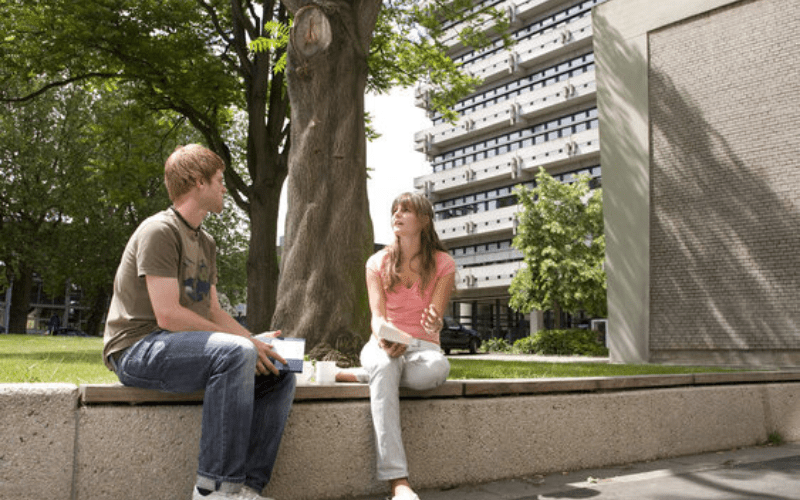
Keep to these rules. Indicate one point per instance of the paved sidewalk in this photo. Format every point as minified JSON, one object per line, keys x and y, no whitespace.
{"x":768,"y":473}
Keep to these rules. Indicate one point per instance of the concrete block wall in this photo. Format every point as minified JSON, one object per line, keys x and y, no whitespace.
{"x":137,"y":451}
{"x":725,"y":271}
{"x":37,"y":440}
{"x":491,"y":430}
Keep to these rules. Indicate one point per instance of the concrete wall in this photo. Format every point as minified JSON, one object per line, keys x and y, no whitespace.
{"x":37,"y":440}
{"x":697,"y":102}
{"x":492,"y":431}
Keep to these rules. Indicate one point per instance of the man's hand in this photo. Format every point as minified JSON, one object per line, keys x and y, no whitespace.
{"x":265,"y":353}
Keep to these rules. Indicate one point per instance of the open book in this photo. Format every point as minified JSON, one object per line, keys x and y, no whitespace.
{"x":291,"y":349}
{"x":391,"y":333}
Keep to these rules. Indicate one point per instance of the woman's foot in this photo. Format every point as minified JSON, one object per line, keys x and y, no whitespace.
{"x":346,"y":377}
{"x":352,"y":375}
{"x":401,"y":490}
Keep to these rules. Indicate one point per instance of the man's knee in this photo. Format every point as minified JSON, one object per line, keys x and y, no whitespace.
{"x":235,"y":352}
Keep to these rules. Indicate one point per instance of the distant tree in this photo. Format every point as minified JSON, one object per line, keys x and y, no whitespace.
{"x":186,"y":58}
{"x":560,"y":235}
{"x":82,"y":168}
{"x":42,"y":156}
{"x":123,"y":185}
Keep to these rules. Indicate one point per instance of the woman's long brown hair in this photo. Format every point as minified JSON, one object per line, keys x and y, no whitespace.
{"x":430,"y":242}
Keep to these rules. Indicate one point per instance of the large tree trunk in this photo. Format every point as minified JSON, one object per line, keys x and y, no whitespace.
{"x":20,"y":299}
{"x":96,"y":313}
{"x":322,"y":292}
{"x":262,"y":257}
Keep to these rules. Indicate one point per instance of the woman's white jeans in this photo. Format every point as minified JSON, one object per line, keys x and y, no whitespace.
{"x":421,"y":367}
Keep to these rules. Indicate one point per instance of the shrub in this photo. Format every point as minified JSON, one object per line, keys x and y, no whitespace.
{"x":525,"y":345}
{"x":495,"y":345}
{"x":574,"y":342}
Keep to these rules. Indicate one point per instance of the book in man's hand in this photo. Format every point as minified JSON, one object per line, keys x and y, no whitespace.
{"x":291,"y":349}
{"x":391,"y":333}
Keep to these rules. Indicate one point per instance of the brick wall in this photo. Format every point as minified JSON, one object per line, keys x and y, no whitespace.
{"x":724,"y":94}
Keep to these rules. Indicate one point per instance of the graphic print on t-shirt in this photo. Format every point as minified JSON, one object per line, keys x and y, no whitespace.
{"x":197,"y":284}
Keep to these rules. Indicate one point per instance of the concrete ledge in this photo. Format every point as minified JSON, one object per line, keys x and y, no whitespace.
{"x":92,"y":444}
{"x":91,"y":394}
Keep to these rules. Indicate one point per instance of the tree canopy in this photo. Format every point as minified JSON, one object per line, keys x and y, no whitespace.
{"x":195,"y":61}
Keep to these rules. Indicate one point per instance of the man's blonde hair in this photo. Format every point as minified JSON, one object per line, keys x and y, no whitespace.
{"x":187,"y":165}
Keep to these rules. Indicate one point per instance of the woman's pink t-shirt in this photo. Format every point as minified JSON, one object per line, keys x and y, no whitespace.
{"x":404,"y":306}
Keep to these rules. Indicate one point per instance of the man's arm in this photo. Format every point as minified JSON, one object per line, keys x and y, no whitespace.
{"x":171,"y":316}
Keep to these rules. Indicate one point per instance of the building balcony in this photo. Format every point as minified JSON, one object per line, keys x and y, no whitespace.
{"x":524,"y":55}
{"x":532,"y":51}
{"x":516,"y":112}
{"x":517,"y":12}
{"x":519,"y":164}
{"x":494,"y":222}
{"x":488,"y":257}
{"x":492,"y":276}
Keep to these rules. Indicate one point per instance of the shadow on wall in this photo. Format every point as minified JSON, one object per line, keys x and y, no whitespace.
{"x":725,"y":214}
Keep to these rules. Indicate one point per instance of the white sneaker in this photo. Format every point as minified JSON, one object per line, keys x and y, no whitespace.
{"x":248,"y":493}
{"x":406,"y":496}
{"x":214,"y":495}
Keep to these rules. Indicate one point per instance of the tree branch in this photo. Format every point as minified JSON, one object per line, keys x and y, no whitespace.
{"x":294,"y":5}
{"x":238,"y":15}
{"x":214,"y":20}
{"x":242,"y":25}
{"x":367,"y":12}
{"x":60,"y":83}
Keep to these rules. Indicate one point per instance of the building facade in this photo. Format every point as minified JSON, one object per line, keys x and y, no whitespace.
{"x":42,"y":307}
{"x":536,"y":107}
{"x":698,"y":104}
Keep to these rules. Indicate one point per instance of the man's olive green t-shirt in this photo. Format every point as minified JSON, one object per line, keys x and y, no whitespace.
{"x":164,"y":245}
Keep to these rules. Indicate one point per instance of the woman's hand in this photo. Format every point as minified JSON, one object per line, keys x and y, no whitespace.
{"x":393,"y":349}
{"x":431,"y":321}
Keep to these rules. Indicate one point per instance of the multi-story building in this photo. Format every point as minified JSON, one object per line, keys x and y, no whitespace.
{"x":536,"y":107}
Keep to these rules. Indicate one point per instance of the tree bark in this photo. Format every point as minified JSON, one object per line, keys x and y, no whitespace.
{"x":322,"y":293}
{"x":20,"y":300}
{"x":262,"y":258}
{"x":267,"y":153}
{"x":98,"y":310}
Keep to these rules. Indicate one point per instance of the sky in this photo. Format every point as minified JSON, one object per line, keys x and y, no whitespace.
{"x":392,"y":157}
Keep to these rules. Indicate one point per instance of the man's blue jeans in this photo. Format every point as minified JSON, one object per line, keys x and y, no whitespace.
{"x":243,"y":414}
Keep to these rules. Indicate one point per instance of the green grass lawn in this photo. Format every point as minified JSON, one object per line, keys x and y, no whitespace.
{"x":77,"y":360}
{"x":34,"y":358}
{"x":464,"y":369}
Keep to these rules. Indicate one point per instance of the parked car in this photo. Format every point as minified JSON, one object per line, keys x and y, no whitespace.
{"x":455,"y":336}
{"x":70,"y":331}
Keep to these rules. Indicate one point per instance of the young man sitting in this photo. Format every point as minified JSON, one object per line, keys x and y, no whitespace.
{"x":166,"y":331}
